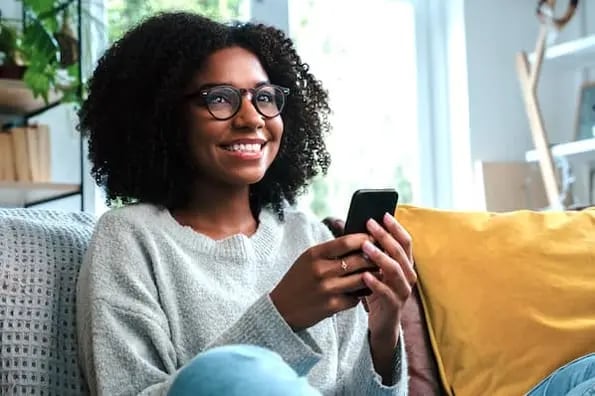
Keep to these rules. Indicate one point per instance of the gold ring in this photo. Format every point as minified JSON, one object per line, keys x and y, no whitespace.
{"x":343,"y":265}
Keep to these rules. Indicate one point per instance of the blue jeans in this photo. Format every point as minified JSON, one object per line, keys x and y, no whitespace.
{"x":236,"y":370}
{"x":577,"y":378}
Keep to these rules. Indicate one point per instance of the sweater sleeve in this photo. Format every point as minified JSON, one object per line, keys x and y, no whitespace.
{"x":124,"y":340}
{"x":264,"y":326}
{"x":357,"y":375}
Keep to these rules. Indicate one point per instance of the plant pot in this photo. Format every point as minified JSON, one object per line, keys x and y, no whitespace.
{"x":13,"y":72}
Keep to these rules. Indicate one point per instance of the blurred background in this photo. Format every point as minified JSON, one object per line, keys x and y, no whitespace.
{"x":425,"y":94}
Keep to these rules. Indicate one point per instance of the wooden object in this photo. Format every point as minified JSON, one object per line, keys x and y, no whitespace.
{"x":509,"y":186}
{"x":528,"y":73}
{"x":25,"y":154}
{"x":7,"y":167}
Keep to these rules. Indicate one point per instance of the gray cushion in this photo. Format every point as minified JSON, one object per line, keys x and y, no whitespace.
{"x":40,"y":256}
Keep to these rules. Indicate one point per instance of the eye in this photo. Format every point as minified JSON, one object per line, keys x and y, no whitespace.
{"x":217,"y":99}
{"x":266,"y":97}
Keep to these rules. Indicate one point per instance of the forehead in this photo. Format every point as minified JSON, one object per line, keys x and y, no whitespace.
{"x":236,"y":66}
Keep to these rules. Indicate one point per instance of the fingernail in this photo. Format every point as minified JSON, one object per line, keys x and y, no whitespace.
{"x":373,"y":225}
{"x":389,"y":218}
{"x":368,"y":248}
{"x":369,"y":279}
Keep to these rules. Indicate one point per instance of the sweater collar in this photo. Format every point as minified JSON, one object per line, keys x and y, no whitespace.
{"x":239,"y":247}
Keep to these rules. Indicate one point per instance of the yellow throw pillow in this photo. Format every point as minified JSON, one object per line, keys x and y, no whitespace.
{"x":508,"y":297}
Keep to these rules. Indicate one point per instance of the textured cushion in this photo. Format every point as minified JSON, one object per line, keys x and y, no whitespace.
{"x":508,"y":297}
{"x":40,"y":255}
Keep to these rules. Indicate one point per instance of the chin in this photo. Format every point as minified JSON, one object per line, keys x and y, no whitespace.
{"x":248,"y":178}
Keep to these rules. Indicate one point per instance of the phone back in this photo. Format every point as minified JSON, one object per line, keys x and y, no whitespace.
{"x":367,"y":204}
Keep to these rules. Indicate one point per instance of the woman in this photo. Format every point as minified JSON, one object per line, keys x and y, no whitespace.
{"x":210,"y":132}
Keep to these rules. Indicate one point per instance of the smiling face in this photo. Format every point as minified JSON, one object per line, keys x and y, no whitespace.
{"x":237,"y":151}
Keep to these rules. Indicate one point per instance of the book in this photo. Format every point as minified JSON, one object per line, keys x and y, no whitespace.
{"x":21,"y":154}
{"x":30,"y":150}
{"x":44,"y":160}
{"x":7,"y":166}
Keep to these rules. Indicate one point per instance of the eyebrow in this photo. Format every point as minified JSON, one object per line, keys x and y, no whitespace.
{"x":216,"y":84}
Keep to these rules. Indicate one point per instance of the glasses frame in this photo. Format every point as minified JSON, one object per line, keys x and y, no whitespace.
{"x":202,"y":93}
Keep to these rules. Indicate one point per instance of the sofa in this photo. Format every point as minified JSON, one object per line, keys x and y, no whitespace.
{"x":40,"y":254}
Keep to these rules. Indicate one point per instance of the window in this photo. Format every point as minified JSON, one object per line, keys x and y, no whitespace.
{"x":365,"y":55}
{"x":123,"y":14}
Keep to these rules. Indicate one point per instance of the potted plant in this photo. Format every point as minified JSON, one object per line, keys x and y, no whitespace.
{"x":10,"y":59}
{"x":44,"y":51}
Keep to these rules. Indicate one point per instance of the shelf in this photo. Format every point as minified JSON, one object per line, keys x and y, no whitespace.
{"x":25,"y":194}
{"x":17,"y":99}
{"x":582,"y":148}
{"x":581,"y":51}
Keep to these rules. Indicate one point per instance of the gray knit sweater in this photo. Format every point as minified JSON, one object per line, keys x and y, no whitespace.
{"x":152,"y":294}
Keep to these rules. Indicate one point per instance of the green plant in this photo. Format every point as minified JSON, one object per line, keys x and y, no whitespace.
{"x":45,"y":45}
{"x":9,"y":44}
{"x":42,"y":50}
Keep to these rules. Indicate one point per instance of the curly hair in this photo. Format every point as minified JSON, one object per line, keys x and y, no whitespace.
{"x":133,"y":114}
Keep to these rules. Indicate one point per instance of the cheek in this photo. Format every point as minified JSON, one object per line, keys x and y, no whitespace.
{"x":275,"y":126}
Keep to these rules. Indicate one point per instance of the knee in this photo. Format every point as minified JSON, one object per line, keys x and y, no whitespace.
{"x":239,"y":370}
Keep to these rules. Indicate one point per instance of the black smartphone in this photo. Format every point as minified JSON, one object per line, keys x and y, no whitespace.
{"x":369,"y":204}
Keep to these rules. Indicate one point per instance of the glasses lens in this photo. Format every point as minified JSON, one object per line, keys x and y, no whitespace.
{"x":222,"y":102}
{"x":270,"y":100}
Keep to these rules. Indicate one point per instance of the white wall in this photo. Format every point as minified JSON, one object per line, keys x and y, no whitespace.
{"x":494,"y":32}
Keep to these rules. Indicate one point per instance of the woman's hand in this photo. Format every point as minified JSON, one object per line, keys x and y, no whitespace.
{"x":389,"y":293}
{"x":318,"y":283}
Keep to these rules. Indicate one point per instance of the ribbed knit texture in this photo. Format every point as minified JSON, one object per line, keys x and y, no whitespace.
{"x":152,"y":294}
{"x":40,"y":256}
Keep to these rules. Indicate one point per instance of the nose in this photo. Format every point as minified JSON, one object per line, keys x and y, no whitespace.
{"x":248,"y":116}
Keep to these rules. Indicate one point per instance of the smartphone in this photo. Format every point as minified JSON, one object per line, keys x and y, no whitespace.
{"x":369,"y":204}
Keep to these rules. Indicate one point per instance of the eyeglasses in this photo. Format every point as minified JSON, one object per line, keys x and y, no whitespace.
{"x":225,"y":101}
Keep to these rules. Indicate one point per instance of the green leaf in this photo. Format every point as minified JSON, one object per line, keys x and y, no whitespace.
{"x":51,"y":24}
{"x":39,"y":44}
{"x":39,"y":6}
{"x":39,"y":83}
{"x":70,"y":95}
{"x":73,"y":70}
{"x":8,"y":40}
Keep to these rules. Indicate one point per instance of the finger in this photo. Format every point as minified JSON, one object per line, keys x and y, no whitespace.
{"x":344,"y":284}
{"x":405,"y":242}
{"x":339,"y":247}
{"x":400,"y":234}
{"x":393,"y":248}
{"x":392,"y":272}
{"x":341,"y":302}
{"x":380,"y":289}
{"x":351,"y":264}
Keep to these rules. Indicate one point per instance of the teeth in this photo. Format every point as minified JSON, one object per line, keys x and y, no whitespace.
{"x":248,"y":148}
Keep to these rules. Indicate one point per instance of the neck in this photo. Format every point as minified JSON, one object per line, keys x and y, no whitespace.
{"x":218,"y":212}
